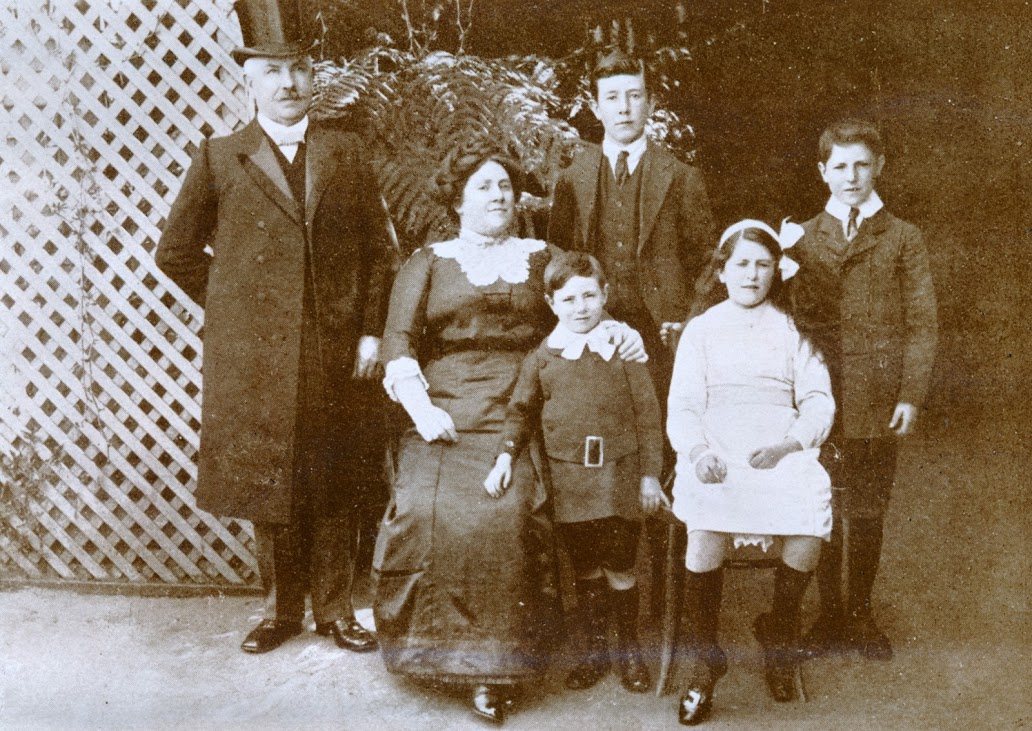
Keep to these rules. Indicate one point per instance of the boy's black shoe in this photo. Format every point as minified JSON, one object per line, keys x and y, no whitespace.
{"x":864,"y":635}
{"x":826,"y":637}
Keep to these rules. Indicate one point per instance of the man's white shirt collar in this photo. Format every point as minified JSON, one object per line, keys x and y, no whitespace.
{"x":840,"y":210}
{"x":634,"y":151}
{"x":287,"y":138}
{"x":573,"y":344}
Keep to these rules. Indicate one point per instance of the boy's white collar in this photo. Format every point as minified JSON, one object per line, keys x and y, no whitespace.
{"x":612,"y":149}
{"x":573,"y":344}
{"x":868,"y":208}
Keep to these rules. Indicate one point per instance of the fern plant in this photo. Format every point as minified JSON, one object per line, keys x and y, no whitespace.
{"x":413,"y":111}
{"x":413,"y":107}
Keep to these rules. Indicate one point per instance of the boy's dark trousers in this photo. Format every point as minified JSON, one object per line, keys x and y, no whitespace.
{"x":862,"y":474}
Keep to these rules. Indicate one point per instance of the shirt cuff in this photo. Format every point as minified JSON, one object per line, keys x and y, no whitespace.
{"x":401,"y":369}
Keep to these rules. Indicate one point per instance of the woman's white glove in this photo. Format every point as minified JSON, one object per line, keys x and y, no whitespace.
{"x":431,"y":422}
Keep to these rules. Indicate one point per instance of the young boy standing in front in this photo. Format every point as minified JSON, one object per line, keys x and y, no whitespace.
{"x":603,"y":438}
{"x":883,"y":328}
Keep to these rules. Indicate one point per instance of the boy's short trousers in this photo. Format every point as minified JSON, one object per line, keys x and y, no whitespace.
{"x":610,"y":543}
{"x":862,"y":474}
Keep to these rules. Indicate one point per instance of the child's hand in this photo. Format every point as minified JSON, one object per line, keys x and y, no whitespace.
{"x":498,"y":478}
{"x":767,"y":458}
{"x":669,"y":331}
{"x":652,"y":495}
{"x":710,"y":469}
{"x":903,"y":419}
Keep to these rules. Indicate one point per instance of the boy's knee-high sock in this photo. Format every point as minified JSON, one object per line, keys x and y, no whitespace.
{"x":865,"y":545}
{"x":634,"y":674}
{"x":778,"y":632}
{"x":592,"y":608}
{"x":829,"y":574}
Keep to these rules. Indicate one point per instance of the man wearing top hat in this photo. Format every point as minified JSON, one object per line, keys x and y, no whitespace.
{"x":280,"y":234}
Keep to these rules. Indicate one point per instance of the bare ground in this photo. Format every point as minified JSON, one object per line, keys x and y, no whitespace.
{"x":954,"y":595}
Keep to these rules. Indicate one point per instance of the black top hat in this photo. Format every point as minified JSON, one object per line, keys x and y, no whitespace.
{"x":271,"y":29}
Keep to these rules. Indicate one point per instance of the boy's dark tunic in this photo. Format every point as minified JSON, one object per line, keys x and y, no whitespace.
{"x":589,"y":397}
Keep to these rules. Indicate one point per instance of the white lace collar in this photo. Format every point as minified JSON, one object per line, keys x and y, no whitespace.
{"x":484,"y":259}
{"x":573,"y":344}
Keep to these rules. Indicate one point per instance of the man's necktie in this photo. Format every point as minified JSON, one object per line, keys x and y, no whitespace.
{"x":851,"y":225}
{"x":622,"y":173}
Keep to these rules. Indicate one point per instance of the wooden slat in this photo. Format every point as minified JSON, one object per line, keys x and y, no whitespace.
{"x":106,"y":139}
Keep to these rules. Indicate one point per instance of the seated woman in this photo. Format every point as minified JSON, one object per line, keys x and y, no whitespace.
{"x":750,"y":404}
{"x":466,"y":589}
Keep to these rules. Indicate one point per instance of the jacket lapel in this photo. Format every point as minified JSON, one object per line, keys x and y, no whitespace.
{"x":320,"y":162}
{"x":261,"y":163}
{"x":656,"y":176}
{"x":585,"y":186}
{"x":869,"y":234}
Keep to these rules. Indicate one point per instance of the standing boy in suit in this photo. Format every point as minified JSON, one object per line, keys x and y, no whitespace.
{"x":643,"y":213}
{"x":882,"y":314}
{"x":294,"y":292}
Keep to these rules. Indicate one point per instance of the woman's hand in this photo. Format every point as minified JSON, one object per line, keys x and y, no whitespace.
{"x":431,"y":422}
{"x":628,"y":341}
{"x":710,"y":469}
{"x":499,"y":477}
{"x":434,"y":423}
{"x":652,"y":495}
{"x":767,"y":458}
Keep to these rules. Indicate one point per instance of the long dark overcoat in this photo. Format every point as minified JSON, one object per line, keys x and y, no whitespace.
{"x":885,"y":322}
{"x":236,"y":200}
{"x":675,"y":227}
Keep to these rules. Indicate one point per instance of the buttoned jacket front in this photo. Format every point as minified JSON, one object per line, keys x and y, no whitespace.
{"x":882,"y":306}
{"x":236,"y":200}
{"x":675,"y":226}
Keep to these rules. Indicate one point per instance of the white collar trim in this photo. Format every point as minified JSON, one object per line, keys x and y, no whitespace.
{"x":612,"y":149}
{"x":284,"y":135}
{"x":840,"y":210}
{"x":572,"y":344}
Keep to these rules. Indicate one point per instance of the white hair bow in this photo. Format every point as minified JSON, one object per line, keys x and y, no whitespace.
{"x":790,"y":233}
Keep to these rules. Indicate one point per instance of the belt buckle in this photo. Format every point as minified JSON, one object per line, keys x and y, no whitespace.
{"x":594,"y":451}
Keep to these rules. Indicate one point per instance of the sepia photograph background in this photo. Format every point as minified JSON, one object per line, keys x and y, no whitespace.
{"x":120,"y":599}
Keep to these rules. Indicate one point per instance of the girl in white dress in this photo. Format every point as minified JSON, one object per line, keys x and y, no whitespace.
{"x":750,"y":404}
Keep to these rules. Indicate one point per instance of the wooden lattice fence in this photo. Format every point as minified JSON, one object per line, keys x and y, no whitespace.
{"x":103,"y":103}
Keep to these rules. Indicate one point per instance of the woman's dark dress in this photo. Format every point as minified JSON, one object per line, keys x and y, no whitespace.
{"x":465,"y":582}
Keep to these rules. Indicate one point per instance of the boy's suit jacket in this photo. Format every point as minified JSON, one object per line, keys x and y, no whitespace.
{"x":882,"y":305}
{"x":236,"y":199}
{"x":675,"y":227}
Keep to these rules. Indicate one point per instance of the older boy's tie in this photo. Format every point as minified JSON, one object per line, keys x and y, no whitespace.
{"x":851,"y":225}
{"x":622,"y":172}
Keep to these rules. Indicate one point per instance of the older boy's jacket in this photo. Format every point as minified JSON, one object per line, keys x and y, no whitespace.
{"x":675,"y":227}
{"x":885,"y":323}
